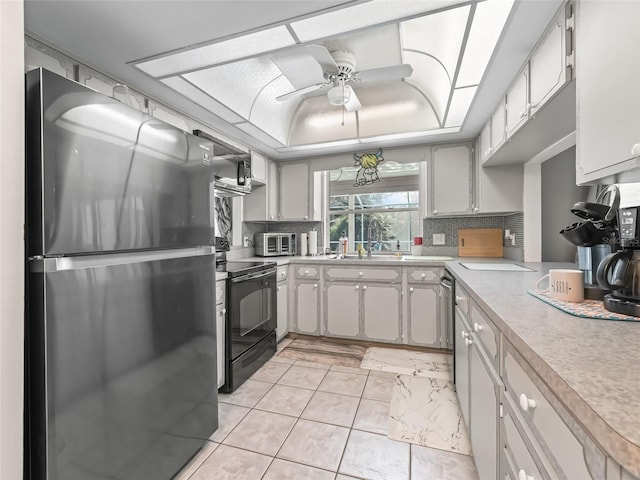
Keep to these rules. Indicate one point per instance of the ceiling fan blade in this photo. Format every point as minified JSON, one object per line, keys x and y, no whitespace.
{"x":301,"y":91}
{"x":324,"y":58}
{"x":353,"y":103}
{"x":384,"y":73}
{"x":299,"y":66}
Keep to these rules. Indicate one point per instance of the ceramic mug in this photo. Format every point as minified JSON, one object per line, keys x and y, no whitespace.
{"x":564,"y":284}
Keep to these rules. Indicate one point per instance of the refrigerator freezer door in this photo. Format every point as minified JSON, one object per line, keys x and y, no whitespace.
{"x":104,"y":177}
{"x":122,"y":362}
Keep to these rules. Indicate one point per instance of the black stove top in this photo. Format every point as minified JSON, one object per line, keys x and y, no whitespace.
{"x":237,"y":268}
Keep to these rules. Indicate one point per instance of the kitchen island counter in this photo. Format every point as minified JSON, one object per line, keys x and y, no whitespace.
{"x":592,"y":366}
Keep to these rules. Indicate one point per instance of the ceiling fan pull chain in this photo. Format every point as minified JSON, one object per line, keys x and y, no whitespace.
{"x":343,"y":106}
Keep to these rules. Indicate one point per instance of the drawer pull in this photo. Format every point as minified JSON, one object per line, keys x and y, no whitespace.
{"x":464,"y":334}
{"x":282,"y":274}
{"x":460,"y":299}
{"x":522,"y":475}
{"x":477,"y":327}
{"x":360,"y":273}
{"x":423,"y":275}
{"x":526,"y":404}
{"x":306,"y":272}
{"x":468,"y":341}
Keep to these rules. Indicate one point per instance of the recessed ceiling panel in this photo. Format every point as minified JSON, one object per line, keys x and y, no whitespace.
{"x":394,"y":109}
{"x":487,"y":26}
{"x":363,"y":15}
{"x":429,"y":77}
{"x":439,"y":35}
{"x":259,"y":135}
{"x":318,"y":121}
{"x":205,"y":101}
{"x":227,"y":50}
{"x":236,"y":85}
{"x":460,"y":103}
{"x":274,"y":118}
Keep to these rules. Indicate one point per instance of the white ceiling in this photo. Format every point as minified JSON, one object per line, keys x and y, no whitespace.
{"x":113,"y":37}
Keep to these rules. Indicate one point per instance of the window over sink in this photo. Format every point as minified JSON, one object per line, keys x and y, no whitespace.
{"x":394,"y":202}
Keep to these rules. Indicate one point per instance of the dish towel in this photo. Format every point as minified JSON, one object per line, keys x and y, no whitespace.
{"x":587,"y":309}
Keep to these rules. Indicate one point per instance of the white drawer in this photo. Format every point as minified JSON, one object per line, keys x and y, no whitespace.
{"x":566,"y":452}
{"x":283,"y":273}
{"x":517,"y":462}
{"x":486,"y":332}
{"x":364,"y":274}
{"x":424,"y":275}
{"x":221,"y":287}
{"x":307,"y":271}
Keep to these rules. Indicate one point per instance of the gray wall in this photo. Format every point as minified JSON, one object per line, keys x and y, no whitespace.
{"x":559,"y":193}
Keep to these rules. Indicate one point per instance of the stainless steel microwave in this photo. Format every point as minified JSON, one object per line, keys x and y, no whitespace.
{"x":275,"y":244}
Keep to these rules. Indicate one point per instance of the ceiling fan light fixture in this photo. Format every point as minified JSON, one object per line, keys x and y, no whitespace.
{"x":339,"y":95}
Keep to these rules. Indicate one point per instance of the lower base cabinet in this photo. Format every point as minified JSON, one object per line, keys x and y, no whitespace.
{"x":342,"y":306}
{"x":461,"y":355}
{"x":221,"y":318}
{"x":381,"y":309}
{"x":307,"y":308}
{"x":423,"y":316}
{"x":282,"y":327}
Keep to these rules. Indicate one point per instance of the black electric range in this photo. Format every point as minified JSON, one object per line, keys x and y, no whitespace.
{"x":251,"y":317}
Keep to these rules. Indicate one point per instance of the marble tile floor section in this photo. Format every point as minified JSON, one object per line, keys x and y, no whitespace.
{"x":425,"y":411}
{"x":408,"y":362}
{"x":292,"y":425}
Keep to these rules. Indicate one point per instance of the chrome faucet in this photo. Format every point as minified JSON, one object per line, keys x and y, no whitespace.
{"x":373,"y":222}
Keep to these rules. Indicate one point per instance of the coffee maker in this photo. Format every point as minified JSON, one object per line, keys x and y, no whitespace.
{"x":620,"y":271}
{"x":594,"y":237}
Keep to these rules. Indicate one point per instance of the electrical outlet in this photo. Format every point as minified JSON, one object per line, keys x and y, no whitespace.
{"x":438,"y":239}
{"x":245,"y":242}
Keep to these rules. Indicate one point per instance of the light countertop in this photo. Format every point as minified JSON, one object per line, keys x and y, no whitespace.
{"x":592,"y":366}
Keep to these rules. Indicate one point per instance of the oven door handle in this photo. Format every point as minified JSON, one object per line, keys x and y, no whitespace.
{"x":252,"y":276}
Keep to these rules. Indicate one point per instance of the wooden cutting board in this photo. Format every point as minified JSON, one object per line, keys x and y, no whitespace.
{"x":480,"y":242}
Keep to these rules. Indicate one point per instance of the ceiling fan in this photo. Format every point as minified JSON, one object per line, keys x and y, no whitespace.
{"x":338,"y":73}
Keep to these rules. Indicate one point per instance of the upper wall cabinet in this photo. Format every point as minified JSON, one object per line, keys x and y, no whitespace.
{"x":451,"y":180}
{"x":539,"y":104}
{"x":262,"y":203}
{"x":297,"y":192}
{"x":259,"y":169}
{"x":608,"y":124}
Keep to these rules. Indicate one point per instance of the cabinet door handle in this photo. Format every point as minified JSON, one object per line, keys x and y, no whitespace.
{"x":635,"y":150}
{"x":315,"y":285}
{"x":522,"y":475}
{"x":357,"y":287}
{"x":364,"y":287}
{"x":464,"y":334}
{"x":411,"y":290}
{"x":223,"y":311}
{"x":460,"y":299}
{"x":468,"y":341}
{"x":435,"y":212}
{"x":278,"y":288}
{"x":526,"y":403}
{"x":477,"y":327}
{"x":306,"y":217}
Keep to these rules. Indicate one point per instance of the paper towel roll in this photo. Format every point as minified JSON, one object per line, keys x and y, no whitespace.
{"x":303,"y":244}
{"x":313,"y":242}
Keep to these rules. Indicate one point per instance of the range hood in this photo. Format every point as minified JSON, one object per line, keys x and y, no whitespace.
{"x":231,"y":168}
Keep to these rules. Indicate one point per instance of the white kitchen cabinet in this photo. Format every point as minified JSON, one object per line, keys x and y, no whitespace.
{"x":517,"y":102}
{"x":342,"y":304}
{"x":307,"y":307}
{"x":484,"y":401}
{"x":221,"y":318}
{"x":259,"y":169}
{"x":297,"y":192}
{"x":548,"y":70}
{"x":608,"y":99}
{"x":423,"y":312}
{"x":381,"y":312}
{"x":498,"y":126}
{"x":451,"y":180}
{"x":484,"y":142}
{"x":282,"y":324}
{"x":262,"y":203}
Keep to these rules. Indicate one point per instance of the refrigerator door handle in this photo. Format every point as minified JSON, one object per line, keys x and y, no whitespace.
{"x":58,"y":264}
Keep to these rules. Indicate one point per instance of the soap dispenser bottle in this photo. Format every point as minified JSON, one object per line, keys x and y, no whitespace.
{"x":343,"y":242}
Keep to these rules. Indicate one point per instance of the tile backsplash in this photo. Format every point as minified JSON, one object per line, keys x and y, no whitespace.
{"x":449,"y":227}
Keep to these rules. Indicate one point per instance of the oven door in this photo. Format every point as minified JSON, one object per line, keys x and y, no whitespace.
{"x":251,"y":310}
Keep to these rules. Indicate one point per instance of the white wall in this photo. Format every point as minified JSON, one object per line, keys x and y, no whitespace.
{"x":11,"y":237}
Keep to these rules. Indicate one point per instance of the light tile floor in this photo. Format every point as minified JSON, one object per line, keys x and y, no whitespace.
{"x":299,"y":420}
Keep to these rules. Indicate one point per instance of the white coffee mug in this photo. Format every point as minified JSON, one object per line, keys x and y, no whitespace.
{"x":564,"y":284}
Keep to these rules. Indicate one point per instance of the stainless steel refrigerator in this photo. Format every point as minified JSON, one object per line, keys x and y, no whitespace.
{"x":121,"y":348}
